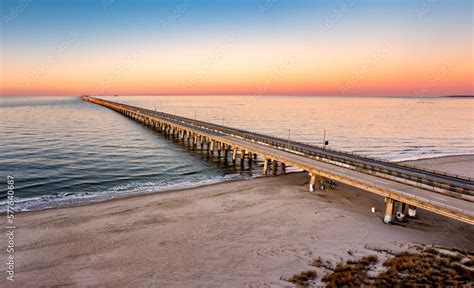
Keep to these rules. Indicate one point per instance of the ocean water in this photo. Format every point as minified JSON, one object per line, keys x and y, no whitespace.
{"x":64,"y":151}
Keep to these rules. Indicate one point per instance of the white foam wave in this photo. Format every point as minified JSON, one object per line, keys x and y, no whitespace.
{"x":134,"y":188}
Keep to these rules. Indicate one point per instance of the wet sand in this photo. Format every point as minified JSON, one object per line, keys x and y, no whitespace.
{"x":460,"y":165}
{"x":249,"y":233}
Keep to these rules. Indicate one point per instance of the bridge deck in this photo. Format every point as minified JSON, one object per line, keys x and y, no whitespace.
{"x":438,"y":203}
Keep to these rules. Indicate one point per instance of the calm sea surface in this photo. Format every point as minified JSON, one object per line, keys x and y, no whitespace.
{"x":63,"y":151}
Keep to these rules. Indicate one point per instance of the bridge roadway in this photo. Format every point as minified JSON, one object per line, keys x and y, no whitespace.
{"x":397,"y":195}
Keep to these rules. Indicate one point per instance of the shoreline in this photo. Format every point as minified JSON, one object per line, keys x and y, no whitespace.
{"x":138,"y":195}
{"x":257,"y":232}
{"x":84,"y":202}
{"x":133,"y":195}
{"x":415,"y":159}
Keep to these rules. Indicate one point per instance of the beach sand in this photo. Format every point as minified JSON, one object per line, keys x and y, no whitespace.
{"x":250,"y":233}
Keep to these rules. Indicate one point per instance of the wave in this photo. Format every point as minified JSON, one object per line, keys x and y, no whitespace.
{"x":60,"y":200}
{"x":422,"y":156}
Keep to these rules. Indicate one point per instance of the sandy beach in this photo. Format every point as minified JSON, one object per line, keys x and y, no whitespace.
{"x":251,"y":233}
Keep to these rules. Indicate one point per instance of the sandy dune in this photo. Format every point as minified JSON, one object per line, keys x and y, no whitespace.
{"x":250,"y":233}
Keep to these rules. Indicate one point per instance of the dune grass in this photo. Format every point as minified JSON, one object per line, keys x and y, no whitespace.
{"x":432,"y":266}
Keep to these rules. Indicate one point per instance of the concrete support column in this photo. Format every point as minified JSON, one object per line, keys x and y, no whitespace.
{"x":219,"y":148}
{"x":265,"y":167}
{"x":411,"y":211}
{"x":400,"y":215}
{"x":201,"y":139}
{"x":388,"y":210}
{"x":226,"y":150}
{"x":274,"y":167}
{"x":283,"y":168}
{"x":234,"y":154}
{"x":322,"y":183}
{"x":242,"y":154}
{"x":312,"y":182}
{"x":195,"y":139}
{"x":212,"y":147}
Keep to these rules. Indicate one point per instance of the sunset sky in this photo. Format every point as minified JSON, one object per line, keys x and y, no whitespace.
{"x":285,"y":47}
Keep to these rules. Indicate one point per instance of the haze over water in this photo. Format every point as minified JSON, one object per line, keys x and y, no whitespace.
{"x":63,"y":150}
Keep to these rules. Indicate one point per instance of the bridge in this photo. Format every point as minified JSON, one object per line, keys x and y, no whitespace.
{"x":404,"y":187}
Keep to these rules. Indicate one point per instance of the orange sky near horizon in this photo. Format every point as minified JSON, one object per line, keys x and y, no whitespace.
{"x":242,"y":72}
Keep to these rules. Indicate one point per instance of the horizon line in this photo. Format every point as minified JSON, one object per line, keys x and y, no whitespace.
{"x":252,"y":95}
